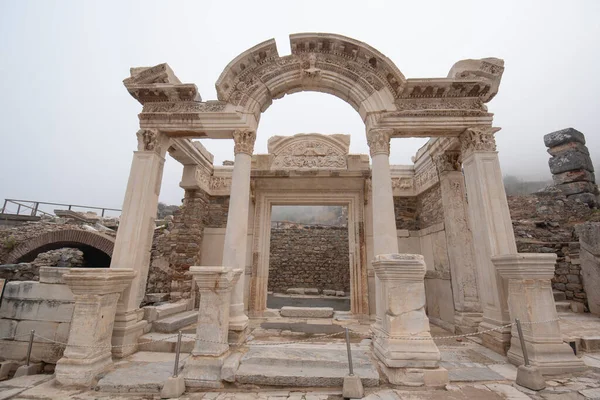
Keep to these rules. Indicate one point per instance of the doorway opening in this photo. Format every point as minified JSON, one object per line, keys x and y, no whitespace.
{"x":309,"y":261}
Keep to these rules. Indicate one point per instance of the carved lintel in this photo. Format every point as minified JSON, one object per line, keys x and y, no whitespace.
{"x":244,"y":141}
{"x":448,"y":161}
{"x":379,"y":141}
{"x":477,"y":138}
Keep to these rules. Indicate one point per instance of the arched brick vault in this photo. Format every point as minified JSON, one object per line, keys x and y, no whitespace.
{"x":64,"y":238}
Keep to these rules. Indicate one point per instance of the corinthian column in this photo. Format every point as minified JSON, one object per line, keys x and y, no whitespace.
{"x":134,"y":238}
{"x":491,"y":226}
{"x":463,"y":273}
{"x":385,"y":238}
{"x":236,"y":233}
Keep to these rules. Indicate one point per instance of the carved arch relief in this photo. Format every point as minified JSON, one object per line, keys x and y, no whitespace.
{"x":309,"y":151}
{"x":334,"y":64}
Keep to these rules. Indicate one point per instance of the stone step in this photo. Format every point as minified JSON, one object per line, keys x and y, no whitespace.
{"x":559,"y":296}
{"x":148,"y":342}
{"x":305,"y":365}
{"x":590,"y":344}
{"x":154,"y":313}
{"x":307,"y":312}
{"x":175,"y":322}
{"x":563,"y":306}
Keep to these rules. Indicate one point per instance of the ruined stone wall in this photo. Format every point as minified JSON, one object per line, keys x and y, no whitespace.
{"x":309,"y":257}
{"x":178,"y":247}
{"x":545,"y":223}
{"x":429,"y":207}
{"x":216,"y":215}
{"x":406,"y":213}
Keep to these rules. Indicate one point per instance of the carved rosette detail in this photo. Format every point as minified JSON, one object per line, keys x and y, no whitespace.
{"x":379,"y":141}
{"x":448,"y":161}
{"x":477,"y":139}
{"x":244,"y":141}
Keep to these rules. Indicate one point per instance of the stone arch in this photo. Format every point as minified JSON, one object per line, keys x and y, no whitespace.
{"x":57,"y":239}
{"x":323,"y":62}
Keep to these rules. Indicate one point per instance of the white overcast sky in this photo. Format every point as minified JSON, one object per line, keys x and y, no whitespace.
{"x":68,"y":124}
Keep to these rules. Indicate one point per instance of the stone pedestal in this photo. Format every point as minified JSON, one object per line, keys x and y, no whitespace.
{"x":403,"y":316}
{"x":134,"y":238}
{"x":459,"y":237}
{"x":236,"y":233}
{"x":96,"y":292}
{"x":491,"y":226}
{"x":530,"y":299}
{"x":203,"y":368}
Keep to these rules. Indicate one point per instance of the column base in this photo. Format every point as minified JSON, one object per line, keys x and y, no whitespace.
{"x":128,"y":328}
{"x":466,"y":322}
{"x":498,"y":341}
{"x":550,"y":358}
{"x":204,"y":371}
{"x":433,"y":377}
{"x":237,"y":337}
{"x":81,"y":372}
{"x":238,"y":320}
{"x":403,"y":353}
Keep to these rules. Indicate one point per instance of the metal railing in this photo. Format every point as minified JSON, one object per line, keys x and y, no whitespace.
{"x":33,"y":207}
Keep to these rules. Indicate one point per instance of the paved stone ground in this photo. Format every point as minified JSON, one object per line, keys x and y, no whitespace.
{"x":475,"y":373}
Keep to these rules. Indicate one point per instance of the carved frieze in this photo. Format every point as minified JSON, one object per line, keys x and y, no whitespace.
{"x":184,"y":107}
{"x":441,"y":104}
{"x":426,"y":175}
{"x":309,"y":151}
{"x":379,"y":141}
{"x":402,"y":183}
{"x":244,"y":141}
{"x":479,"y":138}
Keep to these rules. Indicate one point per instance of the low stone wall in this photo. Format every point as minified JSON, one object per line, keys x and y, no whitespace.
{"x":46,"y":307}
{"x":311,"y":257}
{"x":589,"y":239}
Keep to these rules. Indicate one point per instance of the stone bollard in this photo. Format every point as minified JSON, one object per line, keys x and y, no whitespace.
{"x":403,"y":315}
{"x":88,"y":352}
{"x":530,"y":299}
{"x":203,"y":368}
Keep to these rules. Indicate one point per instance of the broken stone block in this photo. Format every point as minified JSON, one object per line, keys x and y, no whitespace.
{"x":567,"y":135}
{"x":307,"y":312}
{"x":576,"y":188}
{"x":295,"y":291}
{"x":574,"y":176}
{"x":585,"y":198}
{"x":575,"y":146}
{"x":570,"y":161}
{"x":340,"y":293}
{"x":328,"y":292}
{"x":311,"y":291}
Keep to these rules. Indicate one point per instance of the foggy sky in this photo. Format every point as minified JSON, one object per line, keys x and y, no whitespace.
{"x":68,"y":124}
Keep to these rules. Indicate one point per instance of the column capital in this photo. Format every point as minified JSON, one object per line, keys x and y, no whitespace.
{"x":379,"y":141}
{"x":447,"y":161}
{"x":244,"y":141}
{"x":477,"y":138}
{"x":153,"y":140}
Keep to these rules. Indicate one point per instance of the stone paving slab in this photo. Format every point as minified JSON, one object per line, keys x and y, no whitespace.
{"x":307,"y":312}
{"x":136,"y":378}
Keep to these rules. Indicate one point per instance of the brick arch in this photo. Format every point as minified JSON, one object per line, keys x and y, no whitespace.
{"x":67,"y":237}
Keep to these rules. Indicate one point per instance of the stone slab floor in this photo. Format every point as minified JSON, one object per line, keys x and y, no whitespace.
{"x":475,"y":373}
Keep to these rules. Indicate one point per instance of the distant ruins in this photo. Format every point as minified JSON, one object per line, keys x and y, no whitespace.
{"x":428,"y":242}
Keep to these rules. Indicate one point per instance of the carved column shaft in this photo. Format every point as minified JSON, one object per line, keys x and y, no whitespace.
{"x":459,"y":238}
{"x":236,"y":233}
{"x":491,"y":226}
{"x":136,"y":230}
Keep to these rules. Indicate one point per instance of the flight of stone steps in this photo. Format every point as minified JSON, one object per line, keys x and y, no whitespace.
{"x":164,"y":321}
{"x":561,"y":302}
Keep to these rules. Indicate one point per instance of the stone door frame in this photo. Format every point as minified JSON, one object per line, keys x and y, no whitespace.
{"x":265,"y":200}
